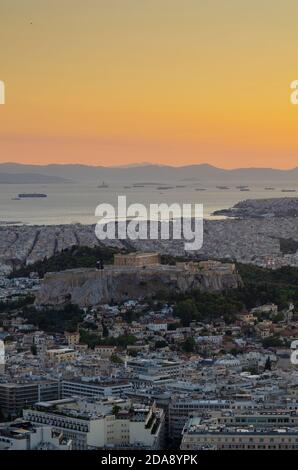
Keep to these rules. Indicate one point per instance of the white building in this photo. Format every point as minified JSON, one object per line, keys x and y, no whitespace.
{"x":208,"y":433}
{"x":158,"y":326}
{"x":139,"y":426}
{"x":91,"y":387}
{"x":22,"y":435}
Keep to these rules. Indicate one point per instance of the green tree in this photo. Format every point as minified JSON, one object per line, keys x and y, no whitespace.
{"x":273,"y":341}
{"x":160,"y":344}
{"x":116,"y":359}
{"x":116,"y":409}
{"x":189,"y":344}
{"x":187,"y":311}
{"x":268,"y":365}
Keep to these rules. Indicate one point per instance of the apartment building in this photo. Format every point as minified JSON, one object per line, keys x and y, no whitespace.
{"x":105,"y":350}
{"x":72,"y":338}
{"x":61,"y":355}
{"x":162,"y":367}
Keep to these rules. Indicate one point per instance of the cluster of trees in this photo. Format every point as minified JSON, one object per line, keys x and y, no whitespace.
{"x":199,"y":306}
{"x":16,"y":304}
{"x":189,"y":345}
{"x":71,"y":258}
{"x":93,"y":340}
{"x":279,"y":286}
{"x":273,"y":341}
{"x":260,"y":286}
{"x":116,"y":359}
{"x":53,"y":320}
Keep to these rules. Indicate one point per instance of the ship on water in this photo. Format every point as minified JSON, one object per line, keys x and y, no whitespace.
{"x":24,"y":195}
{"x":103,"y":185}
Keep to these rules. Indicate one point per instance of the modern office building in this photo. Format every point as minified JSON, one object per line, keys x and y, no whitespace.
{"x":259,"y":432}
{"x":92,"y":387}
{"x":18,"y":395}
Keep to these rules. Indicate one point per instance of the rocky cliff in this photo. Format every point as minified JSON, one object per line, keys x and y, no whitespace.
{"x":87,"y":287}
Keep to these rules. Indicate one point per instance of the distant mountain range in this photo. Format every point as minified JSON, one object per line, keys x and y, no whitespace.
{"x":30,"y":178}
{"x":17,"y":173}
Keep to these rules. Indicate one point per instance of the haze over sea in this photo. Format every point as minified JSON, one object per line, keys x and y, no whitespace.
{"x":76,"y":202}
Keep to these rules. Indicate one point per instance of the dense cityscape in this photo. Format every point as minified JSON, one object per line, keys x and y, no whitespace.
{"x":141,"y":354}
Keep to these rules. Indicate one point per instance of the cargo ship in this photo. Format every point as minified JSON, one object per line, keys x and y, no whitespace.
{"x":23,"y":195}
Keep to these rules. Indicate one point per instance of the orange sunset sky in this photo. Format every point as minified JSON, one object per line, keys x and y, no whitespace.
{"x":112,"y":82}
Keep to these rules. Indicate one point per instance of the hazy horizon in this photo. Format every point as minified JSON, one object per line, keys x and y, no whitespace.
{"x":144,"y":164}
